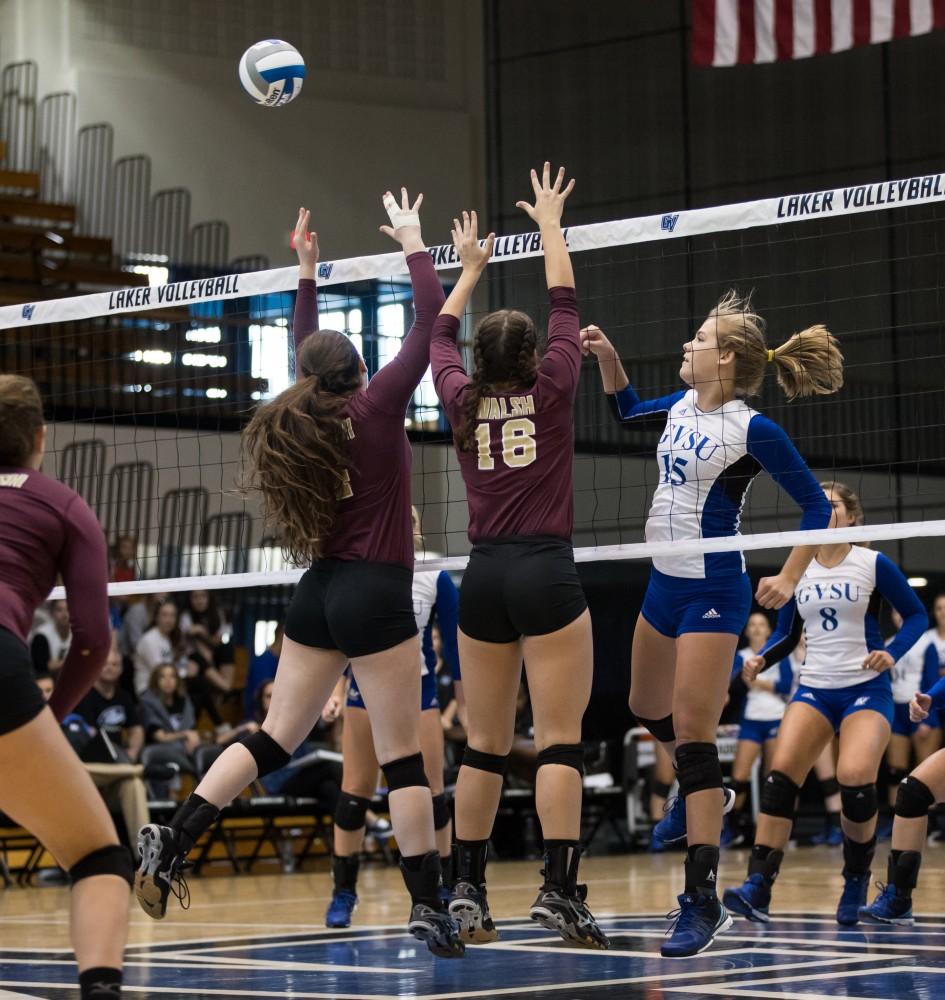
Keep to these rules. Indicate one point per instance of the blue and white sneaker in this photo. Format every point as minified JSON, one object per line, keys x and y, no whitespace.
{"x":655,"y":846}
{"x":853,"y":898}
{"x":342,"y":906}
{"x":696,"y":924}
{"x":888,"y":908}
{"x":672,"y":827}
{"x":751,"y":900}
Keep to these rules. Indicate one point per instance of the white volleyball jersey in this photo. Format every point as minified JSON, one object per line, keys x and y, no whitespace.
{"x":424,"y":601}
{"x":765,"y":706}
{"x":706,"y":462}
{"x":838,"y":610}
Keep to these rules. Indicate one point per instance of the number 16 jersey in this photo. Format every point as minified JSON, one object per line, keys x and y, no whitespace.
{"x":518,"y":477}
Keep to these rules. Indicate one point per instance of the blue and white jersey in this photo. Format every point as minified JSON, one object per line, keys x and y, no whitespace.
{"x":912,"y":672}
{"x":767,"y":706}
{"x":837,"y":609}
{"x":434,"y":591}
{"x":706,"y":463}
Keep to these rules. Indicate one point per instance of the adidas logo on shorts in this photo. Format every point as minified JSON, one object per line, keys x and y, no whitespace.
{"x":712,"y":613}
{"x":860,"y":702}
{"x":808,"y":695}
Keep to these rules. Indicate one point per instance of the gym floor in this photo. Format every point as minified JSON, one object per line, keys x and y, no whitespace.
{"x":264,"y":936}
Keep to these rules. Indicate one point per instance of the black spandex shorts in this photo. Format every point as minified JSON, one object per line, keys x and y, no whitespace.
{"x":20,"y":699}
{"x":519,"y":586}
{"x":358,"y":607}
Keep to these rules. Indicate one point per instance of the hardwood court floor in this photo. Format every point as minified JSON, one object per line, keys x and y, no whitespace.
{"x":264,"y":936}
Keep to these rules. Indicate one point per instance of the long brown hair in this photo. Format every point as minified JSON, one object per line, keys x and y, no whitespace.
{"x":504,"y":353}
{"x":21,"y":417}
{"x":296,"y":445}
{"x":808,"y":363}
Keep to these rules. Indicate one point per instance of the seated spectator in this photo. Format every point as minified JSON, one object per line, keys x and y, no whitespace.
{"x":107,"y":708}
{"x":136,"y":621}
{"x":262,"y":668}
{"x":209,"y":652}
{"x":162,"y":643}
{"x":170,"y":722}
{"x":124,"y":560}
{"x":50,"y":642}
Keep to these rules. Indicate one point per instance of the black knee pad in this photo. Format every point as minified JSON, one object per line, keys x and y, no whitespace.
{"x":269,"y":756}
{"x":566,"y":754}
{"x":860,"y":802}
{"x":914,"y":799}
{"x":660,"y":729}
{"x":779,"y":795}
{"x":350,"y":811}
{"x":660,"y":788}
{"x":441,"y":811}
{"x":698,"y":768}
{"x":494,"y":763}
{"x":829,"y":786}
{"x":113,"y":860}
{"x":405,"y":772}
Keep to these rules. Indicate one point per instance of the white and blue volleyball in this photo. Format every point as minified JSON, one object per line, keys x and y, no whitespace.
{"x":272,"y":72}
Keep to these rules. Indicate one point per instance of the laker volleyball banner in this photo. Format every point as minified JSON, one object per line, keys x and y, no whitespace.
{"x":728,"y":32}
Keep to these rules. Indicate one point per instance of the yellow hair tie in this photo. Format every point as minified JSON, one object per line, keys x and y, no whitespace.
{"x":770,"y":357}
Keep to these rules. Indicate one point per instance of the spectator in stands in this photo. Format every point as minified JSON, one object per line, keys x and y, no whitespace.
{"x":46,"y":684}
{"x":162,"y":643}
{"x":136,"y":622}
{"x":50,"y":641}
{"x":109,"y":708}
{"x":169,"y":719}
{"x":209,"y":652}
{"x":262,"y":668}
{"x":124,"y":560}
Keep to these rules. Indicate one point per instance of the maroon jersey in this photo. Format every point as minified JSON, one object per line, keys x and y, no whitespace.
{"x":372,"y":521}
{"x":519,"y":477}
{"x":46,"y":530}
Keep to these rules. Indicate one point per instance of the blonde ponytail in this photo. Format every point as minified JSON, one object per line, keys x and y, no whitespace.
{"x":809,"y":363}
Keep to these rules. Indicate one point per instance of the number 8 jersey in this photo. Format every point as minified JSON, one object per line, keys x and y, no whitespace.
{"x":838,"y":610}
{"x":518,"y":479}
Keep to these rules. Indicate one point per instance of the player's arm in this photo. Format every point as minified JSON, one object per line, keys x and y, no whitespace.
{"x":84,"y":569}
{"x":894,"y":587}
{"x":775,"y":452}
{"x":449,"y":374}
{"x":305,"y":318}
{"x":393,"y":386}
{"x":787,"y":634}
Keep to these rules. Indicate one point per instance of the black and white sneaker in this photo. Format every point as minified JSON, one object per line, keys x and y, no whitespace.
{"x":437,"y":929}
{"x":470,"y":909}
{"x":569,"y":916}
{"x":159,"y":873}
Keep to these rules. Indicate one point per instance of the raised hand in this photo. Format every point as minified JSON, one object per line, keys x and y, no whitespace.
{"x":472,"y":256}
{"x":594,"y":341}
{"x":305,"y":245}
{"x":404,"y":218}
{"x":549,"y":198}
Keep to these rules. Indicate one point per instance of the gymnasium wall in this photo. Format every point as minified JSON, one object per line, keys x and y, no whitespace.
{"x":394,"y":96}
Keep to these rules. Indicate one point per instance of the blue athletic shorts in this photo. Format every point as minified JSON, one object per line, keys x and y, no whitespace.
{"x":759,"y":730}
{"x":934,"y":721}
{"x":674,"y":605}
{"x":837,"y":703}
{"x":901,"y":723}
{"x":428,"y":694}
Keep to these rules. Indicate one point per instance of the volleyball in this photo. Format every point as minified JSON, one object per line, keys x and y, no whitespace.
{"x":272,"y":72}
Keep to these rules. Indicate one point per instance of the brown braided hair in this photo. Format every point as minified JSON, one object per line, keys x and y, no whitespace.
{"x":505,"y":353}
{"x":296,"y":445}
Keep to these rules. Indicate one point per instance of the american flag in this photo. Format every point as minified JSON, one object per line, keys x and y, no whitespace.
{"x":726,"y":32}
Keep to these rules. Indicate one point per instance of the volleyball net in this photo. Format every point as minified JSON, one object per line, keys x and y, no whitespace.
{"x":147,"y":388}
